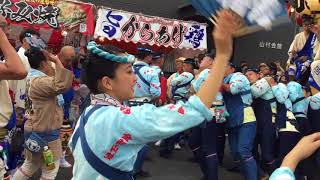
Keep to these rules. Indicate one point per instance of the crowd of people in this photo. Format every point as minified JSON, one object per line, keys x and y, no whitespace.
{"x":54,"y":105}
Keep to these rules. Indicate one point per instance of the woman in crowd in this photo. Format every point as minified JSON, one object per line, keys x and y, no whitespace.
{"x":44,"y":112}
{"x":112,"y":134}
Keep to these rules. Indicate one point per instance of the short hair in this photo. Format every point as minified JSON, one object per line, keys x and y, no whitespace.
{"x":156,"y":56}
{"x":307,"y":19}
{"x":262,"y":65}
{"x":191,"y":62}
{"x":307,"y":88}
{"x":211,"y":54}
{"x":64,"y":49}
{"x":253,"y":70}
{"x":232,"y":65}
{"x":35,"y":57}
{"x":243,"y":63}
{"x":24,"y":33}
{"x":143,"y":52}
{"x":273,"y":68}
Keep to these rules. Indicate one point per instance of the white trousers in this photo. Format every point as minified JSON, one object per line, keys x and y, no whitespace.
{"x":29,"y":168}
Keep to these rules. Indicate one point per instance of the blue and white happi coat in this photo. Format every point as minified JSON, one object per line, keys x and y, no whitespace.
{"x":151,"y":75}
{"x":116,"y":133}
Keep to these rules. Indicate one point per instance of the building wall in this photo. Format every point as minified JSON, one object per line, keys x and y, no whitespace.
{"x":265,"y":46}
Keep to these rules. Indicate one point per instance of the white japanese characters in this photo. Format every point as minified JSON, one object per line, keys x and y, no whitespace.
{"x":270,"y":45}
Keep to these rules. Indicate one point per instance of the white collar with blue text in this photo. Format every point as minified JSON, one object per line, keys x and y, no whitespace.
{"x":104,"y":99}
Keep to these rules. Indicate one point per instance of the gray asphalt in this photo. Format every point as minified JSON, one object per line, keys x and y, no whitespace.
{"x":179,"y":168}
{"x":176,"y":168}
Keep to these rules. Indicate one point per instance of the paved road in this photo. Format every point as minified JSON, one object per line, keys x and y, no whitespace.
{"x":177,"y":168}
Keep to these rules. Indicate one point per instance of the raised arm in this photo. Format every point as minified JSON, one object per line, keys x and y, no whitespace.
{"x":297,"y":154}
{"x":183,"y":78}
{"x":158,"y":123}
{"x":260,"y":88}
{"x":280,"y":92}
{"x":12,"y":68}
{"x":197,"y":83}
{"x":43,"y":87}
{"x":155,"y":88}
{"x":227,"y":25}
{"x":315,"y":101}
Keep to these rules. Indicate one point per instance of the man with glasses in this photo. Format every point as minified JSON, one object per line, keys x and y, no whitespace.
{"x":302,"y":51}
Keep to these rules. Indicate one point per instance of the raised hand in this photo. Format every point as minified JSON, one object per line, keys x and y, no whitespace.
{"x":227,"y":24}
{"x":53,"y":58}
{"x":271,"y":81}
{"x":305,"y":148}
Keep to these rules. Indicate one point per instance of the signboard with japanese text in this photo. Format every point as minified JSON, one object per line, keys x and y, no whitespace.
{"x":66,"y":15}
{"x":138,"y":28}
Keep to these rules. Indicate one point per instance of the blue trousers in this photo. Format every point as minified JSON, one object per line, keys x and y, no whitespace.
{"x":266,"y":138}
{"x":287,"y":141}
{"x":195,"y":139}
{"x":241,"y":141}
{"x":203,"y":143}
{"x":138,"y":165}
{"x":221,"y":140}
{"x":318,"y":158}
{"x":304,"y":126}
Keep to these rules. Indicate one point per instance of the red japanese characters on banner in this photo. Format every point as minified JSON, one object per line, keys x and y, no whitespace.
{"x":67,"y":15}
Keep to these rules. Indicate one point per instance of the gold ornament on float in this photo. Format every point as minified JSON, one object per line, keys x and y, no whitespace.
{"x":308,"y":7}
